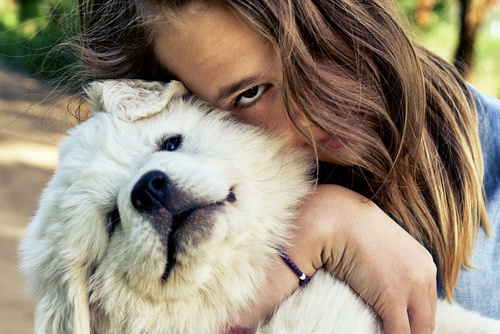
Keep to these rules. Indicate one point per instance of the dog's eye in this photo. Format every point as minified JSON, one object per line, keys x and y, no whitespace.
{"x":171,"y":144}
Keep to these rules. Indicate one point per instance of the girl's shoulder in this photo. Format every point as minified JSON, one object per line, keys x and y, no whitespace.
{"x":488,"y":111}
{"x":479,"y":289}
{"x":484,"y":103}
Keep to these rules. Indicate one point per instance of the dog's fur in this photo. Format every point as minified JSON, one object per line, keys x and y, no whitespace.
{"x":111,"y":250}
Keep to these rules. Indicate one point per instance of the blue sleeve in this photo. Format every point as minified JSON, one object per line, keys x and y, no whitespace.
{"x":479,"y":289}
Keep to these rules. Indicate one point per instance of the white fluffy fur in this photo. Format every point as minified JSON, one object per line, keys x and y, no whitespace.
{"x":89,"y":280}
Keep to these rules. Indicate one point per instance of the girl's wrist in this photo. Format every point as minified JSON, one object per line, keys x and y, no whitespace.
{"x":320,"y":227}
{"x":340,"y":227}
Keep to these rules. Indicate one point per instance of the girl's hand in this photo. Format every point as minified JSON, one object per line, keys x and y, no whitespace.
{"x":357,"y":242}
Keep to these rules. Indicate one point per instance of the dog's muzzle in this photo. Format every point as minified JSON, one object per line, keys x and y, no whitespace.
{"x":169,"y":210}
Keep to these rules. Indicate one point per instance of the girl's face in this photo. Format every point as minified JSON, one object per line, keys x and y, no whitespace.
{"x":218,"y":57}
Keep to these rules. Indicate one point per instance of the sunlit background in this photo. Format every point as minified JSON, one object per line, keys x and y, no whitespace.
{"x":33,"y":117}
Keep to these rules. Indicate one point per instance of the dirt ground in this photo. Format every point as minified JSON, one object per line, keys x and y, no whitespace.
{"x":33,"y":120}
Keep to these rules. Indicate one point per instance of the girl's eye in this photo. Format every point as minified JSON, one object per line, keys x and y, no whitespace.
{"x":251,"y":95}
{"x":172,"y":143}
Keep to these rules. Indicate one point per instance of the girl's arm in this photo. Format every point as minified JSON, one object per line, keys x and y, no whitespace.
{"x":357,"y":242}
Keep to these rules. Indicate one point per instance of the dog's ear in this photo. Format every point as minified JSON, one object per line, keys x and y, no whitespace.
{"x":62,"y":291}
{"x":61,"y":247}
{"x":57,"y":262}
{"x":131,"y":100}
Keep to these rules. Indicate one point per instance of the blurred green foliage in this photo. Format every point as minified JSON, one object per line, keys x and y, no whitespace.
{"x":33,"y":32}
{"x":32,"y":37}
{"x":441,"y":36}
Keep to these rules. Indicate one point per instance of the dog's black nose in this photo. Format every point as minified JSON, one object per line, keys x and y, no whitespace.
{"x":150,"y":192}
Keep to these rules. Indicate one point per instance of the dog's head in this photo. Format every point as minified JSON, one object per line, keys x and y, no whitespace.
{"x":162,"y":205}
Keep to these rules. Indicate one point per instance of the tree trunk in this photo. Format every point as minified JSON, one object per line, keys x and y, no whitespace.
{"x":472,"y":14}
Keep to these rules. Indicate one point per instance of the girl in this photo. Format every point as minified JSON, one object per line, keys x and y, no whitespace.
{"x":384,"y":118}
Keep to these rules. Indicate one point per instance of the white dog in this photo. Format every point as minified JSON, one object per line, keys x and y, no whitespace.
{"x":163,"y":217}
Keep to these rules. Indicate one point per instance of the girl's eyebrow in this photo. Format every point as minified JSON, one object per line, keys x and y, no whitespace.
{"x":226,"y":91}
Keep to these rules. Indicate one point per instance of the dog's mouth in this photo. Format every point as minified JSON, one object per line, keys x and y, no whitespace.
{"x":177,"y":221}
{"x":197,"y":218}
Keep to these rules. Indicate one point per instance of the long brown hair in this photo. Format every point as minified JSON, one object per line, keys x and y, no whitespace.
{"x":405,"y":115}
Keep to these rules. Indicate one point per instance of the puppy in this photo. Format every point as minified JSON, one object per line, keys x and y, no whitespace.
{"x":164,"y":216}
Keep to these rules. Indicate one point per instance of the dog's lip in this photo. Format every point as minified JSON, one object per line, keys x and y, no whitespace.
{"x":182,"y":218}
{"x":177,"y":221}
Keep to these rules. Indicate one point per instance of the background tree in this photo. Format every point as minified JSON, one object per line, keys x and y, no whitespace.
{"x":472,"y":15}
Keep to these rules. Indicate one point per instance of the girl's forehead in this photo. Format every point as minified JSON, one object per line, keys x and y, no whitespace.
{"x":205,"y":50}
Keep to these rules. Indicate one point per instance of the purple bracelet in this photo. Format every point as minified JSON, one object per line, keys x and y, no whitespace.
{"x":304,"y":279}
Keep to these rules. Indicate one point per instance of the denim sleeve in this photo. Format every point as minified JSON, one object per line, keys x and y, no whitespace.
{"x":479,"y":289}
